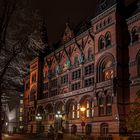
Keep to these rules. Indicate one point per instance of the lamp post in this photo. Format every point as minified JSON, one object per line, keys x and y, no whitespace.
{"x":82,"y":109}
{"x":58,"y":117}
{"x":38,"y":119}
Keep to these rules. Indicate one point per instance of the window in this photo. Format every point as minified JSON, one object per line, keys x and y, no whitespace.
{"x":45,"y":86}
{"x":21,"y":101}
{"x":75,"y":86}
{"x":108,"y":110}
{"x":138,"y":64}
{"x":101,"y":43}
{"x":76,"y":61}
{"x":53,"y":93}
{"x":76,"y":74}
{"x":34,"y":78}
{"x":105,"y":70}
{"x":88,"y":129}
{"x":64,"y":79}
{"x":104,"y":129}
{"x":45,"y":75}
{"x":108,"y":99}
{"x":21,"y":110}
{"x":101,"y":105}
{"x":90,"y":56}
{"x":134,"y":35}
{"x":73,"y":110}
{"x":89,"y":69}
{"x":20,"y":118}
{"x":54,"y":83}
{"x":78,"y":110}
{"x":105,"y":105}
{"x":88,"y":108}
{"x":108,"y":39}
{"x":89,"y":82}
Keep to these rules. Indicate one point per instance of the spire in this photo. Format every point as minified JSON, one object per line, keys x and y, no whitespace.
{"x":43,"y":31}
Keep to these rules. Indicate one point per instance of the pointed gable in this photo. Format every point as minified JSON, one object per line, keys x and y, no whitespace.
{"x":68,"y":34}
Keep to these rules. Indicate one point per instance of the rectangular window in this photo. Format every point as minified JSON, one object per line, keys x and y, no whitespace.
{"x":54,"y":83}
{"x":45,"y":86}
{"x":87,"y":113}
{"x":76,"y":75}
{"x":78,"y":110}
{"x":75,"y":86}
{"x":73,"y":114}
{"x":64,"y":79}
{"x":89,"y":82}
{"x":21,"y":101}
{"x":53,"y":93}
{"x":101,"y":111}
{"x":20,"y":118}
{"x":45,"y":75}
{"x":109,"y":110}
{"x":89,"y":69}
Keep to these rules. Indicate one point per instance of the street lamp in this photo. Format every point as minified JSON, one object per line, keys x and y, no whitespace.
{"x":59,"y":117}
{"x":38,"y":119}
{"x":82,"y":109}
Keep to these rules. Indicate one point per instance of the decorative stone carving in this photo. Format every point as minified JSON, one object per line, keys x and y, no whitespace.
{"x":58,"y":70}
{"x":82,"y":58}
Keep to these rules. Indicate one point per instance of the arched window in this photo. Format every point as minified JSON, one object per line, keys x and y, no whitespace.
{"x":73,"y":129}
{"x":108,"y":71}
{"x":88,"y":129}
{"x":104,"y":129}
{"x":134,"y":35}
{"x":105,"y":69}
{"x":101,"y":43}
{"x":108,"y":39}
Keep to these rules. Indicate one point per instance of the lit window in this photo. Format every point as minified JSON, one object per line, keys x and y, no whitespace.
{"x":20,"y":118}
{"x":21,"y":110}
{"x":21,"y":101}
{"x":21,"y":127}
{"x":78,"y":110}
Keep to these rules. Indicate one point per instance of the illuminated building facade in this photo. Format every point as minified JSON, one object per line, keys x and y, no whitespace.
{"x":96,"y":67}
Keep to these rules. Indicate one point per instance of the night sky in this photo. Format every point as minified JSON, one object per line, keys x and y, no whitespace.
{"x":58,"y":12}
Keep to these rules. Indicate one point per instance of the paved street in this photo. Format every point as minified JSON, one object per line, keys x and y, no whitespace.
{"x":20,"y":137}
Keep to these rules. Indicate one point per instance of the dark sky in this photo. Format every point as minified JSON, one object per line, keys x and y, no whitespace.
{"x":59,"y":11}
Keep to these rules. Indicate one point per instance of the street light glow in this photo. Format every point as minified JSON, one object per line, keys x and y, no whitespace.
{"x":82,"y":109}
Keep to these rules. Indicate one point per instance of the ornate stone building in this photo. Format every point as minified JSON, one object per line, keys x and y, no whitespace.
{"x":96,"y":66}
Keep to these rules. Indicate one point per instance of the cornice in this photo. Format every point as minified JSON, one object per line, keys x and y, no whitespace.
{"x":134,"y":18}
{"x":105,"y":13}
